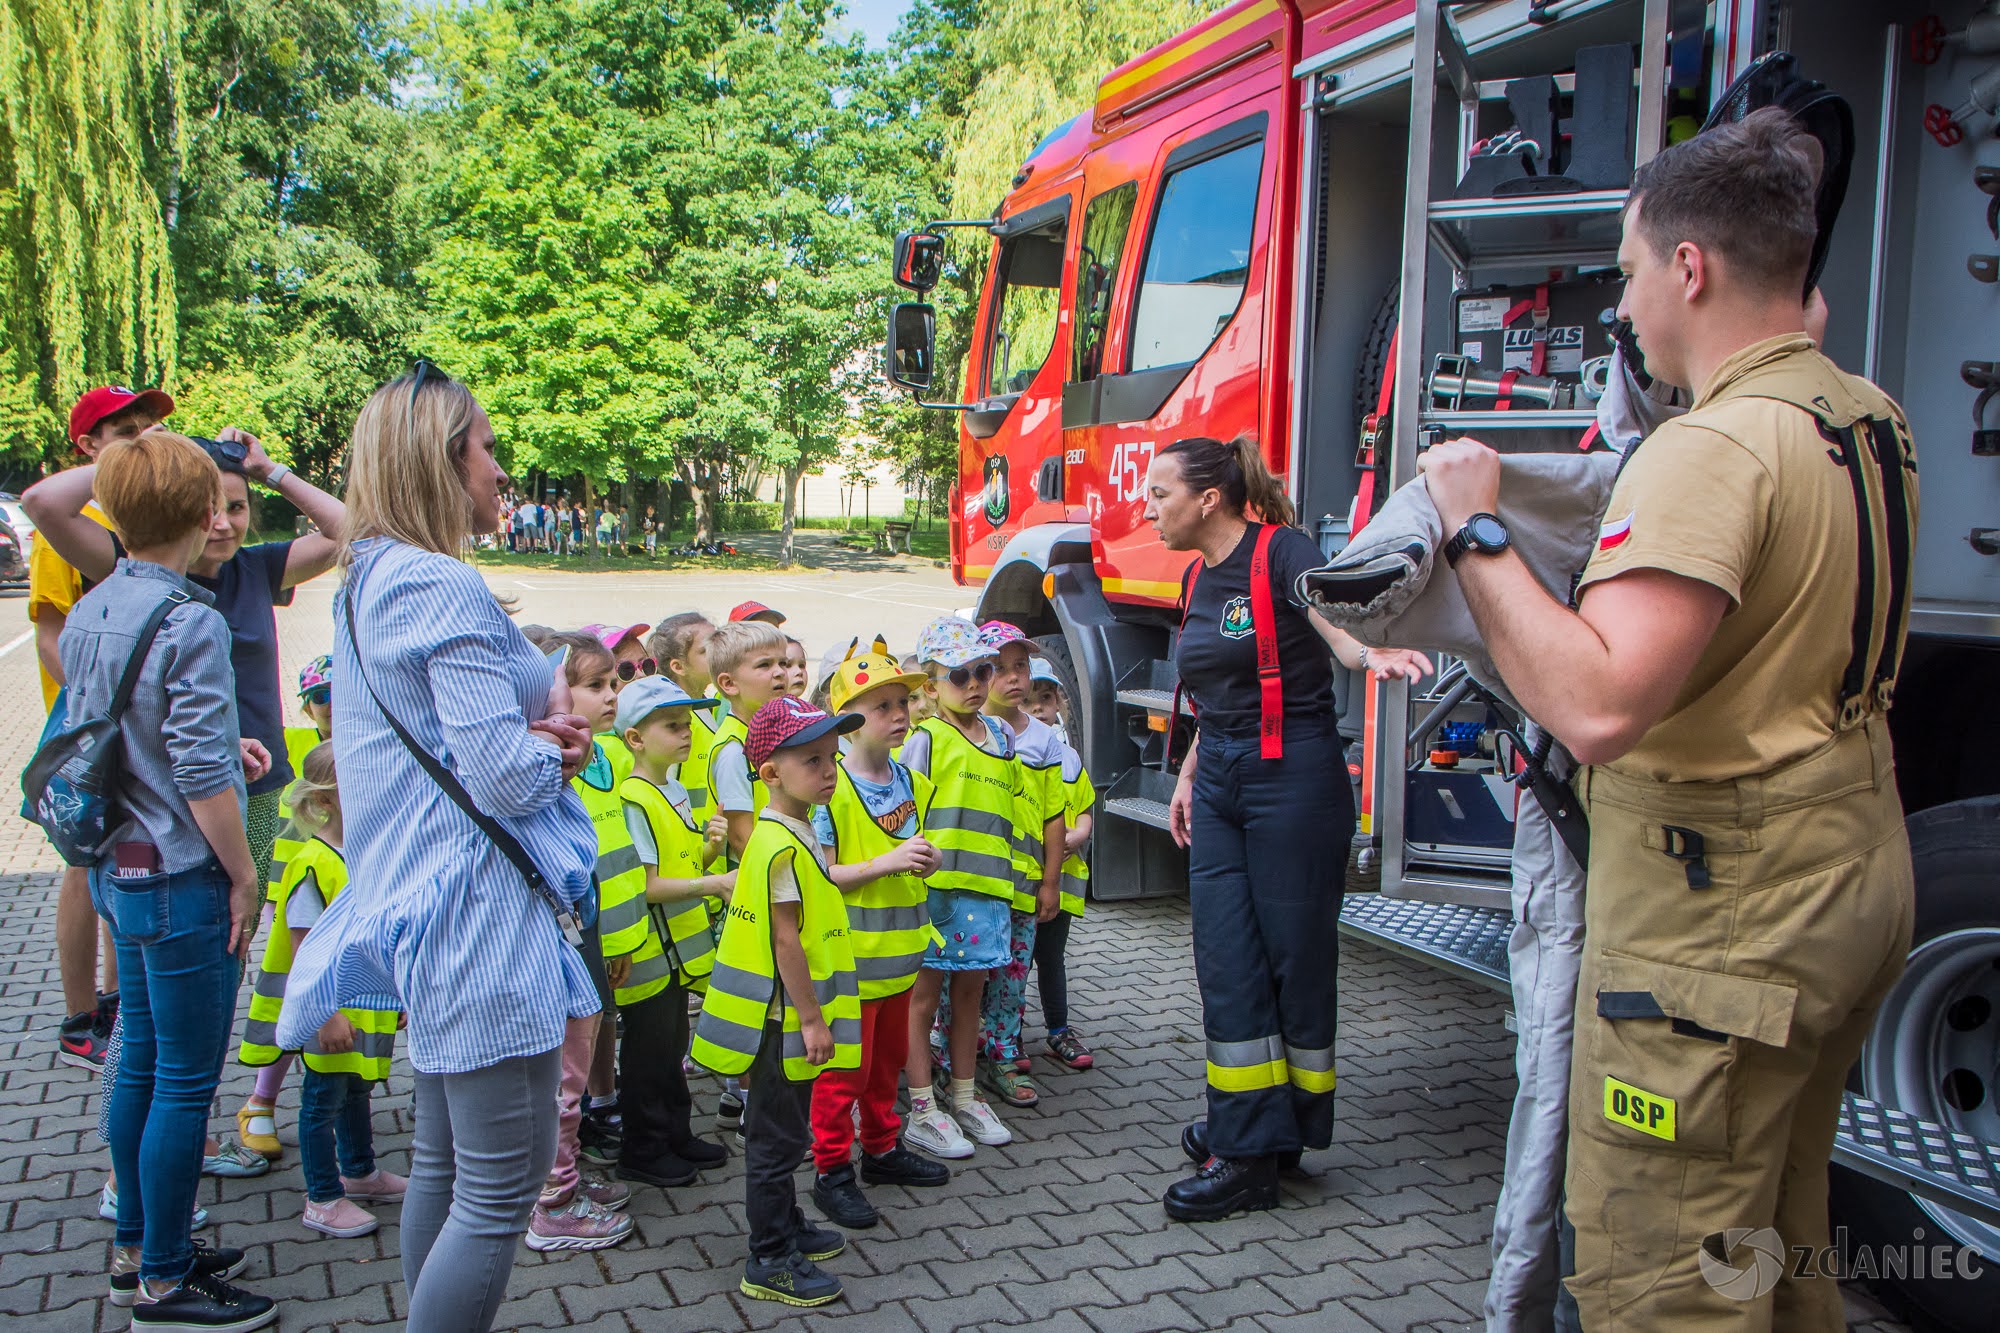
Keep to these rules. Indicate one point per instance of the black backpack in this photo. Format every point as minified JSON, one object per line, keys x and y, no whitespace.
{"x":71,"y":785}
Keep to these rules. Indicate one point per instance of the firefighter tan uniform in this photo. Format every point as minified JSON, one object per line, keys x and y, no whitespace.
{"x":1750,"y":885}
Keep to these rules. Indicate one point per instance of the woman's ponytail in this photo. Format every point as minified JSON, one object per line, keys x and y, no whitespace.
{"x":1237,"y":470}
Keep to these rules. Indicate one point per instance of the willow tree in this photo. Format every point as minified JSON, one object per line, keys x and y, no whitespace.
{"x":90,"y":90}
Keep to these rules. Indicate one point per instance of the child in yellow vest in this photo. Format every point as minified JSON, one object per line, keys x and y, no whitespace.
{"x":969,"y":759}
{"x":575,"y":1211}
{"x":1045,"y":701}
{"x":748,"y":659}
{"x":350,"y":1053}
{"x":679,"y":644}
{"x":784,"y":1002}
{"x":676,"y":951}
{"x":873,"y":832}
{"x":256,"y":1119}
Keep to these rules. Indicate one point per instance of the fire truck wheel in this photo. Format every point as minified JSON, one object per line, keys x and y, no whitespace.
{"x":1373,"y":362}
{"x":1934,"y":1054}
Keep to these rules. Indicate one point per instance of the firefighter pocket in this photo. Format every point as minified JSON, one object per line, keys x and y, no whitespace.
{"x":1661,"y":1071}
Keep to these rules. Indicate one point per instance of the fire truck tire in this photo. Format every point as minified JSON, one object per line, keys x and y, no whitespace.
{"x":1933,"y":1054}
{"x":1373,"y":363}
{"x":1055,"y":648}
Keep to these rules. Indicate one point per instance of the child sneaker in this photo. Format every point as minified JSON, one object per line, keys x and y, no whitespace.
{"x":341,"y":1218}
{"x":577,"y":1225}
{"x":107,"y":1208}
{"x":841,"y":1199}
{"x":257,"y":1130}
{"x":1067,"y":1048}
{"x":610,"y":1195}
{"x":933,"y":1130}
{"x":729,"y":1111}
{"x":980,"y":1122}
{"x":209,"y":1261}
{"x":233,"y":1161}
{"x":378,"y":1186}
{"x":203,"y":1301}
{"x":794,"y":1279}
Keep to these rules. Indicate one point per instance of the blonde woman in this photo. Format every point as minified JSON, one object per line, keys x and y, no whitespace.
{"x":438,"y":920}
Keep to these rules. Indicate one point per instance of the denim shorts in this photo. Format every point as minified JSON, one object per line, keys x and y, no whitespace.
{"x":975,"y":929}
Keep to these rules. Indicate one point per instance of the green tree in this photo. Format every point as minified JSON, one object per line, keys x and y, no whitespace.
{"x":91,"y":91}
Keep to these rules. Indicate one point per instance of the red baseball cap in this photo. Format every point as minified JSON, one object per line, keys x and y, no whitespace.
{"x":756,"y":611}
{"x":109,"y":399}
{"x":789,"y":720}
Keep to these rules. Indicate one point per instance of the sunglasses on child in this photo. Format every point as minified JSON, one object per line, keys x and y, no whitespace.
{"x":645,"y":666}
{"x":319,"y":695}
{"x":964,"y":676}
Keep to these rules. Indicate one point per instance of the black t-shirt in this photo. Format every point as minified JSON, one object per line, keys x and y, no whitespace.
{"x":245,"y":589}
{"x":1217,"y":653}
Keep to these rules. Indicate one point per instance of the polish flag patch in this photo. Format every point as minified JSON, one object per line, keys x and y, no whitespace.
{"x":1613,"y":534}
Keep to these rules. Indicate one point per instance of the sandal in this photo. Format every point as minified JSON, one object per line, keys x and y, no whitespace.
{"x":1012,"y":1087}
{"x":1066,"y":1049}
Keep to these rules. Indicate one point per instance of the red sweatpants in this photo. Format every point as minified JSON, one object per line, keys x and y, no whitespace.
{"x":885,"y":1045}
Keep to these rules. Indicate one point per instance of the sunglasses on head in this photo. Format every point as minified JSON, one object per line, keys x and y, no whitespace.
{"x":423,"y":368}
{"x":964,"y":676}
{"x":645,"y":666}
{"x":319,"y":694}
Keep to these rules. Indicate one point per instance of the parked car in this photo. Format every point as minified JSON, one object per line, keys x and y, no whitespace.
{"x":13,"y":558}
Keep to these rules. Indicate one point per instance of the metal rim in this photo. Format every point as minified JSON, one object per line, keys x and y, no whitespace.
{"x":1935,"y":1052}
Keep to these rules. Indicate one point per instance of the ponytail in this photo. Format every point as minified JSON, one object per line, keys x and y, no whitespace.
{"x":1237,"y":470}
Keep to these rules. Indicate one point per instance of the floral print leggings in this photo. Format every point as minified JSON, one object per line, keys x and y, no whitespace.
{"x":1005,"y":1002}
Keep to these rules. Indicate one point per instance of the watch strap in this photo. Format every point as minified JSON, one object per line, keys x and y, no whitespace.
{"x":277,"y":474}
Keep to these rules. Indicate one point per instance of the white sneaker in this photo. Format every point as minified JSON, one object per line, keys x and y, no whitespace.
{"x":983,"y":1125}
{"x":933,"y":1130}
{"x":107,"y":1208}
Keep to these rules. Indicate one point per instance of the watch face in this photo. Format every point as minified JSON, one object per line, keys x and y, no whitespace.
{"x":1486,"y":532}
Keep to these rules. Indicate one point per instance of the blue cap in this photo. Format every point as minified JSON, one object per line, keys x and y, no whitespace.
{"x":648,"y":695}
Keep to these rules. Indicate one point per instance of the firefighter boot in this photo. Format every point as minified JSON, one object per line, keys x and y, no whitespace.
{"x":1194,"y":1142}
{"x":1224,"y":1187}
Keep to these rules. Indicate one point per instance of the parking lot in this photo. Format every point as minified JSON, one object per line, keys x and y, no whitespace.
{"x":1061,"y":1230}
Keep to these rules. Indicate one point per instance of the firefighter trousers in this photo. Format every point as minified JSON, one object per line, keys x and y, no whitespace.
{"x":1544,"y":953}
{"x":1739,"y":938}
{"x":1265,"y":874}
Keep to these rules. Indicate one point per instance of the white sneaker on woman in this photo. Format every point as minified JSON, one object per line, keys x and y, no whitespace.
{"x":933,"y":1130}
{"x":982,"y":1124}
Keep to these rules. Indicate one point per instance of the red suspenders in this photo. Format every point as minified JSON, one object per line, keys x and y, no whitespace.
{"x":1270,"y":683}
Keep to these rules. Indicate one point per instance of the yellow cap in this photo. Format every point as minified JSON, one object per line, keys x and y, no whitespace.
{"x":858,"y":675}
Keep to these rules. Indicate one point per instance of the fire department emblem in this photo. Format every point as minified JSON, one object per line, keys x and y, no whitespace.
{"x":1236,"y":622}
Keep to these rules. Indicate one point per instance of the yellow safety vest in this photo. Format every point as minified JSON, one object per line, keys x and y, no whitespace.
{"x":374,"y":1029}
{"x":693,"y":773}
{"x":618,"y":753}
{"x":1080,"y":796}
{"x":686,"y":927}
{"x":890,"y":917}
{"x":1042,"y":798}
{"x":621,"y":886}
{"x":975,"y":814}
{"x":738,"y":1004}
{"x":299,"y":741}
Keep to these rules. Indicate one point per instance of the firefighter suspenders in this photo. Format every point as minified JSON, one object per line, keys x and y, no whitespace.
{"x":1263,"y":615}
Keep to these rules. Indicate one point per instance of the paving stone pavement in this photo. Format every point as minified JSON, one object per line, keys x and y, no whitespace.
{"x":1062,"y":1230}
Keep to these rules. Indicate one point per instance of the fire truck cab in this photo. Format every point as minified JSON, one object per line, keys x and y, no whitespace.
{"x":1344,"y":227}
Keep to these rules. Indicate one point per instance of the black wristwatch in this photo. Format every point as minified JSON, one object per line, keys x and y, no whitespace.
{"x":1483,"y":533}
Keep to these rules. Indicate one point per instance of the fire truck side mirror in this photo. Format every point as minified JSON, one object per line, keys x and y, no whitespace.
{"x":909,"y":355}
{"x":919,"y":260}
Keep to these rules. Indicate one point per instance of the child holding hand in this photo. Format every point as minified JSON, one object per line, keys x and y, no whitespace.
{"x":676,"y":953}
{"x":784,"y":1003}
{"x":873,"y":832}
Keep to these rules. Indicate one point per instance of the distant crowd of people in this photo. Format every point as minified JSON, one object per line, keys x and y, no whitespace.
{"x":565,"y":527}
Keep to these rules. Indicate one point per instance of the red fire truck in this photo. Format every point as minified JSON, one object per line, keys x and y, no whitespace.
{"x":1342,"y":226}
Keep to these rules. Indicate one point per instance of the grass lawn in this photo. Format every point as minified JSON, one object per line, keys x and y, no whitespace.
{"x":586,"y":562}
{"x":756,"y":550}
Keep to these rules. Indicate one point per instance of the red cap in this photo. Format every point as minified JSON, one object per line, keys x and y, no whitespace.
{"x":756,"y":611}
{"x":789,"y":720}
{"x":102,"y":402}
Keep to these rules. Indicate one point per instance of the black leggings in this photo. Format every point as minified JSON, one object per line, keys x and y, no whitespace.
{"x":1052,"y":971}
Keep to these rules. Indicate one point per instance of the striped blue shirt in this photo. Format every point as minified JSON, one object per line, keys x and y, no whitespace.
{"x":435,"y":920}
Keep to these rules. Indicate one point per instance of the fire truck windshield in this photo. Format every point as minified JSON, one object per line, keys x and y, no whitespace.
{"x":1024,"y":324}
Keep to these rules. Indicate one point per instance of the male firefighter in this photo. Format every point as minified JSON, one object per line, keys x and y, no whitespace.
{"x":1726,"y":678}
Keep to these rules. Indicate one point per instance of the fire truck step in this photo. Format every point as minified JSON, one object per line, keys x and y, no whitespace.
{"x":1153,"y":701}
{"x":1138,"y":809}
{"x":1468,"y":941}
{"x":1954,"y":1170}
{"x":1939,"y":1164}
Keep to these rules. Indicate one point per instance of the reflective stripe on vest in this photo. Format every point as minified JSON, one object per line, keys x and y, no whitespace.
{"x":974,"y":819}
{"x":682,"y":931}
{"x":621,"y":879}
{"x":1039,"y":801}
{"x":1079,"y":798}
{"x":733,"y":1013}
{"x":890,"y":918}
{"x":374,"y":1029}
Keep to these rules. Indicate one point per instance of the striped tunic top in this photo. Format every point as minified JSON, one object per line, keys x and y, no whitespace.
{"x":436,"y":920}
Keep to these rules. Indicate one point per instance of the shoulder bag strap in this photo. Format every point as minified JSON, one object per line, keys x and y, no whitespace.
{"x":1270,"y":683}
{"x":141,"y":647}
{"x":509,"y":845}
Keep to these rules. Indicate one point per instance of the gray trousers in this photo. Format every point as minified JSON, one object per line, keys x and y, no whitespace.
{"x":485,"y":1141}
{"x":1543,"y":954}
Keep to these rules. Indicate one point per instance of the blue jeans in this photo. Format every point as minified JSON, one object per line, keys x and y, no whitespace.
{"x":335,"y":1136}
{"x":178,"y":979}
